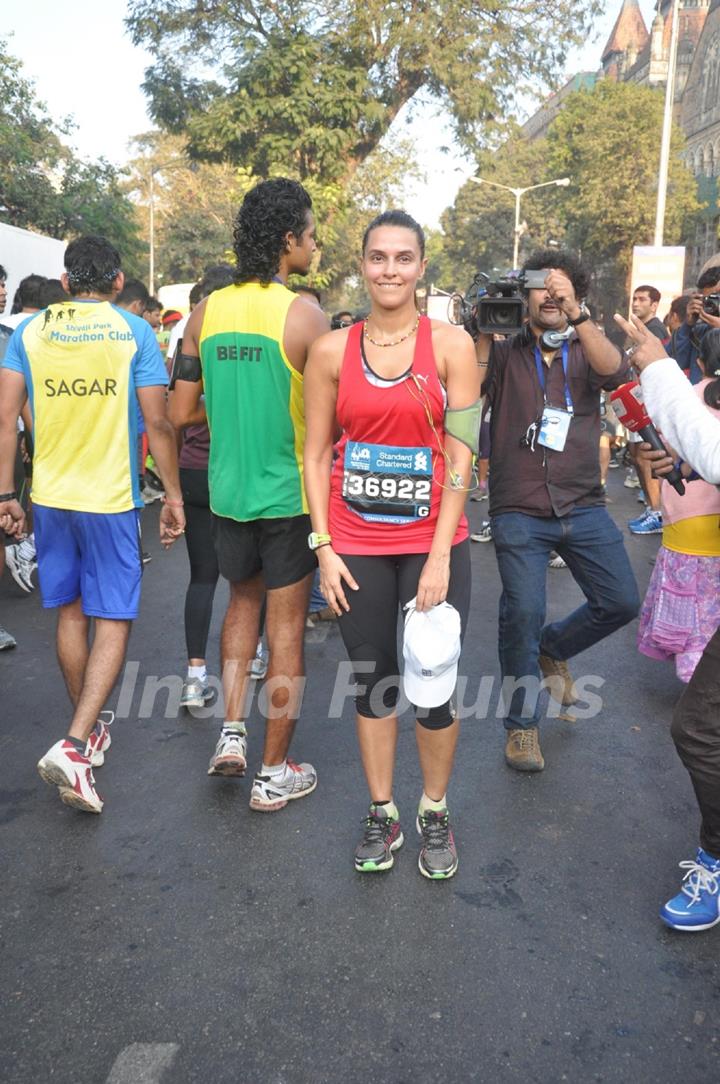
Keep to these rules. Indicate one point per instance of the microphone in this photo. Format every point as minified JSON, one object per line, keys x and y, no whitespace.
{"x":628,"y":404}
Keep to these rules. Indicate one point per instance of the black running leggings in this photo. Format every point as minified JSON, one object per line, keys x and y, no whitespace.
{"x":204,"y":570}
{"x":369,"y":630}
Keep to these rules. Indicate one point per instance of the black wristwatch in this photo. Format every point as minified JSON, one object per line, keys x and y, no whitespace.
{"x":584,"y":315}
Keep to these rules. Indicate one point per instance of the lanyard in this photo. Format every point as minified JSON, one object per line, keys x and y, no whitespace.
{"x":541,"y":375}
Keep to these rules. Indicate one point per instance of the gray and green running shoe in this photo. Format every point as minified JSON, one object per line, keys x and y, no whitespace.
{"x":381,"y":836}
{"x":438,"y":858}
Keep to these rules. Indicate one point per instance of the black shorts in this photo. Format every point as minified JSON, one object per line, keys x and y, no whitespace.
{"x":276,"y":547}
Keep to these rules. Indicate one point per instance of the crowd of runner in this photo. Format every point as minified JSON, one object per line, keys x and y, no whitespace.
{"x":296,"y":455}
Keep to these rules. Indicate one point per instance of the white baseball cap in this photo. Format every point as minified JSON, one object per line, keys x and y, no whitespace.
{"x":431,"y":649}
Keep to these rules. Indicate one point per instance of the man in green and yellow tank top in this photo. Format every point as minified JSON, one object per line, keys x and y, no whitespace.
{"x":244,"y":349}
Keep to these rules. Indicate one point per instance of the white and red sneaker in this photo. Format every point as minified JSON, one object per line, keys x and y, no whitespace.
{"x":71,"y":772}
{"x":100,"y":741}
{"x":268,"y":794}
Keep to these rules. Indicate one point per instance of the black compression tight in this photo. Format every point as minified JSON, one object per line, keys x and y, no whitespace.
{"x":369,"y":630}
{"x":203,"y":561}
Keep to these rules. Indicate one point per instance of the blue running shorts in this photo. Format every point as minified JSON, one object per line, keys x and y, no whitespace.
{"x":91,"y":556}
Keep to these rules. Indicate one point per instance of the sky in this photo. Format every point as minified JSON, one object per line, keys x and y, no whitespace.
{"x":101,"y":88}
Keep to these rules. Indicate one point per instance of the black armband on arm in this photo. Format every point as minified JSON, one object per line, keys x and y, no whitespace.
{"x":185,"y":367}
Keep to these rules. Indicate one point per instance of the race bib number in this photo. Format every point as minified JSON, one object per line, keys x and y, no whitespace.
{"x":386,"y":484}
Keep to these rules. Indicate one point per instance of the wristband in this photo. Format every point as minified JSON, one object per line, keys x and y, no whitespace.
{"x":173,"y":504}
{"x":8,"y":496}
{"x":315,"y":540}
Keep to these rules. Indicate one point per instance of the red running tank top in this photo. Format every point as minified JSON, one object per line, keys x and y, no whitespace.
{"x":388,"y":472}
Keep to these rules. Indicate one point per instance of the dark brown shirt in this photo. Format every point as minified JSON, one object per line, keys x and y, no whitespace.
{"x":544,"y":482}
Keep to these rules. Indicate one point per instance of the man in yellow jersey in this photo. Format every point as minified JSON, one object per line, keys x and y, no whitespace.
{"x":84,"y":364}
{"x":245,"y":348}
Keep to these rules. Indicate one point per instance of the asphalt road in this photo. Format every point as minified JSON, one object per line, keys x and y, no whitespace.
{"x":179,"y":938}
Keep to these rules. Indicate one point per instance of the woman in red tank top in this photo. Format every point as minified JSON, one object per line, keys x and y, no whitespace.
{"x":388,"y":520}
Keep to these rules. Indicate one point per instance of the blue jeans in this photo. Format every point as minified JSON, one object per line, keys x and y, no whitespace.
{"x":317,"y":598}
{"x":592,"y":546}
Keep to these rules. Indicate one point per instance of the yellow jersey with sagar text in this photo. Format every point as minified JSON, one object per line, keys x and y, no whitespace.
{"x":82,"y":362}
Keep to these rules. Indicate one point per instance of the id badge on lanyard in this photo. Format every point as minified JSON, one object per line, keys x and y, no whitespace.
{"x":555,"y":422}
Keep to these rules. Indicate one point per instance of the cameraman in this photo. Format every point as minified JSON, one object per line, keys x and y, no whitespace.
{"x":545,"y":490}
{"x":687,"y":338}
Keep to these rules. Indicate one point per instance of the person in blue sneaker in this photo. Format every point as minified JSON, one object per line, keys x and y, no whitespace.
{"x":688,"y":427}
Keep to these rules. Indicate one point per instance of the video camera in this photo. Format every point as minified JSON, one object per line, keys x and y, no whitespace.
{"x":496,"y":306}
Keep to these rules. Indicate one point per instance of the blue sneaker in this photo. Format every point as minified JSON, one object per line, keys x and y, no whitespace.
{"x":697,"y":905}
{"x":649,"y":523}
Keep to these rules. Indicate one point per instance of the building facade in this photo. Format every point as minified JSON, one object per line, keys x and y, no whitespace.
{"x":638,"y":55}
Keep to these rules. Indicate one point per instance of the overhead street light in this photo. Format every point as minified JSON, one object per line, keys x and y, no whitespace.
{"x":561,"y":182}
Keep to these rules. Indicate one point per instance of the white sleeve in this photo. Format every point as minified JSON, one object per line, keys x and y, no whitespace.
{"x":682,"y":418}
{"x":175,"y":335}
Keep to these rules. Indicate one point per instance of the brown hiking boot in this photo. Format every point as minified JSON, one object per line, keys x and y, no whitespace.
{"x":522,"y":750}
{"x":561,"y":685}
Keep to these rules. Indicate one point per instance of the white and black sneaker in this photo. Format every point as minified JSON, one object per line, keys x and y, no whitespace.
{"x":269,"y":794}
{"x":484,"y":534}
{"x":195,"y":693}
{"x":230,"y":756}
{"x":21,"y":560}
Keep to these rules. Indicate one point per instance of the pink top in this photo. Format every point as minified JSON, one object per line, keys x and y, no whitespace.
{"x":701,"y":498}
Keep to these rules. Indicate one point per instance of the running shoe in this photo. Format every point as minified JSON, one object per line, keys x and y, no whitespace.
{"x":556,"y":561}
{"x":7,"y":640}
{"x":649,"y":523}
{"x":70,"y":771}
{"x":480,"y":494}
{"x":381,"y":836}
{"x":149,"y":494}
{"x":631,"y":480}
{"x":484,"y":534}
{"x":195,"y":693}
{"x":259,"y":665}
{"x":230,"y":756}
{"x":438,"y":858}
{"x":100,"y":741}
{"x":697,"y":905}
{"x":20,"y":559}
{"x":146,"y":557}
{"x":268,"y":795}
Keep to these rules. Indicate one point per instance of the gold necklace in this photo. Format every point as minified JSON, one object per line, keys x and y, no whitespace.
{"x":395,"y":342}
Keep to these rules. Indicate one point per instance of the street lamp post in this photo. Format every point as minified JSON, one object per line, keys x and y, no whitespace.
{"x":164,"y":166}
{"x":151,"y":196}
{"x":667,"y":128}
{"x":518,"y":193}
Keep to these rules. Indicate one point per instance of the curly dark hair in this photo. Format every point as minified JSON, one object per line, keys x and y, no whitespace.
{"x":268,"y":213}
{"x":396,"y":218}
{"x":92,"y":265}
{"x":564,"y":261}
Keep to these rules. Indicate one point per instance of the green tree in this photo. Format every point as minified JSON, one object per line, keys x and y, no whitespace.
{"x":478,"y":229}
{"x":310,"y":88}
{"x":608,"y":141}
{"x":195,"y":205}
{"x":43,"y":185}
{"x":30,"y":150}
